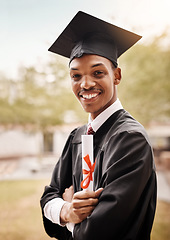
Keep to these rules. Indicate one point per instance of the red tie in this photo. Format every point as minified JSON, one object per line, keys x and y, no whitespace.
{"x":90,"y":131}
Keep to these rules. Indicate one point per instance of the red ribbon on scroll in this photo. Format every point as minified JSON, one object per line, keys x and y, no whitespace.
{"x":89,"y":172}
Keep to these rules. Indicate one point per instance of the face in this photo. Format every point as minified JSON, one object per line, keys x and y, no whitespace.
{"x":94,"y":81}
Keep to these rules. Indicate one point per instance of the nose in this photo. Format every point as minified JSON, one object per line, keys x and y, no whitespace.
{"x":87,"y":82}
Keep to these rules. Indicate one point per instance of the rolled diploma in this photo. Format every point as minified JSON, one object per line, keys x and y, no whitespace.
{"x":87,"y":148}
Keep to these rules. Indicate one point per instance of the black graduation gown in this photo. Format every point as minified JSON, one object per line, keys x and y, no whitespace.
{"x":124,"y":168}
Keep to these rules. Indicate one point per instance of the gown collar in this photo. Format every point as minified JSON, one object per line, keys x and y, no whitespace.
{"x":102,"y":117}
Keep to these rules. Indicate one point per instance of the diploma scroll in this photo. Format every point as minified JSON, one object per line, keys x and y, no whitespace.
{"x":88,"y":164}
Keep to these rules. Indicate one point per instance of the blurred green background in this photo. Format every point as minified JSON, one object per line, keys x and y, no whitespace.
{"x":43,"y":97}
{"x":20,"y":217}
{"x":38,"y":98}
{"x":34,"y":100}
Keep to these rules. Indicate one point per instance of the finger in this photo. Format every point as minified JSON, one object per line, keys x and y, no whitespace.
{"x":84,"y":195}
{"x":68,"y":194}
{"x":77,"y":203}
{"x":82,"y":211}
{"x":98,"y":192}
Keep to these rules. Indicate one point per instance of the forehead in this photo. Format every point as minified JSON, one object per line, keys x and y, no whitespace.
{"x":88,"y":60}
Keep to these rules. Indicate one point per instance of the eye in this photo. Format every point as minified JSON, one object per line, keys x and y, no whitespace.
{"x":75,"y":77}
{"x":98,"y":74}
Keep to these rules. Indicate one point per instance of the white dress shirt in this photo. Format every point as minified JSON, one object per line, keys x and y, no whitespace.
{"x":53,"y":208}
{"x":103,"y":116}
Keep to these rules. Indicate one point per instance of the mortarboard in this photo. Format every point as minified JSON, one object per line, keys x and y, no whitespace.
{"x":86,"y":34}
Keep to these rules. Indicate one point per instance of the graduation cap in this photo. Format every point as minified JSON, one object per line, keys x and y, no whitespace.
{"x":86,"y":34}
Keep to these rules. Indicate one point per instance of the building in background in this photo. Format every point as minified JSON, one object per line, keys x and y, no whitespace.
{"x":25,"y":152}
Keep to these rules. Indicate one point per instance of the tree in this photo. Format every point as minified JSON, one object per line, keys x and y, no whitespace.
{"x":42,"y":94}
{"x":41,"y":98}
{"x":145,"y":88}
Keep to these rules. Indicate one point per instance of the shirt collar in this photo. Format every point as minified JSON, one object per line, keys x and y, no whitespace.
{"x":103,"y":116}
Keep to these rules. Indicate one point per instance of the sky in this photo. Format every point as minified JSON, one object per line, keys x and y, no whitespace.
{"x":29,"y":27}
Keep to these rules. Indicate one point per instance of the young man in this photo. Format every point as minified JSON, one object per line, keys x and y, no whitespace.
{"x":122,"y":205}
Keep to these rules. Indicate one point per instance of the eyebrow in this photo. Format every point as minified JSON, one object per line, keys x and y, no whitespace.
{"x":93,"y":66}
{"x":96,"y":65}
{"x":73,"y":68}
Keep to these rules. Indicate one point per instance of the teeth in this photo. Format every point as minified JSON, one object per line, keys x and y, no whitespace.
{"x":89,"y":96}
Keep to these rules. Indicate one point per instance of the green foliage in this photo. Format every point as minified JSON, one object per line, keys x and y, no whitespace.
{"x":145,"y":87}
{"x":42,"y":95}
{"x":41,"y":98}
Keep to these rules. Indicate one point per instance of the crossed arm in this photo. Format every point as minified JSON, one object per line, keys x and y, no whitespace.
{"x":129,"y":179}
{"x":78,"y":206}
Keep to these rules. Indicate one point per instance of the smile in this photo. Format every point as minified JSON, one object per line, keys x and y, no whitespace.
{"x":89,"y":96}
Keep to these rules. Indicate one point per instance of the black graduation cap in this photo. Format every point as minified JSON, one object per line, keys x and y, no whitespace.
{"x":86,"y":34}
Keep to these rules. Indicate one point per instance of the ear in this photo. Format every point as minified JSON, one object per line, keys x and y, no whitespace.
{"x":118,"y":76}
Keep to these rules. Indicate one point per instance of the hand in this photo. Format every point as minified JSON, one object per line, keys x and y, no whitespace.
{"x":81,"y":206}
{"x":68,"y":194}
